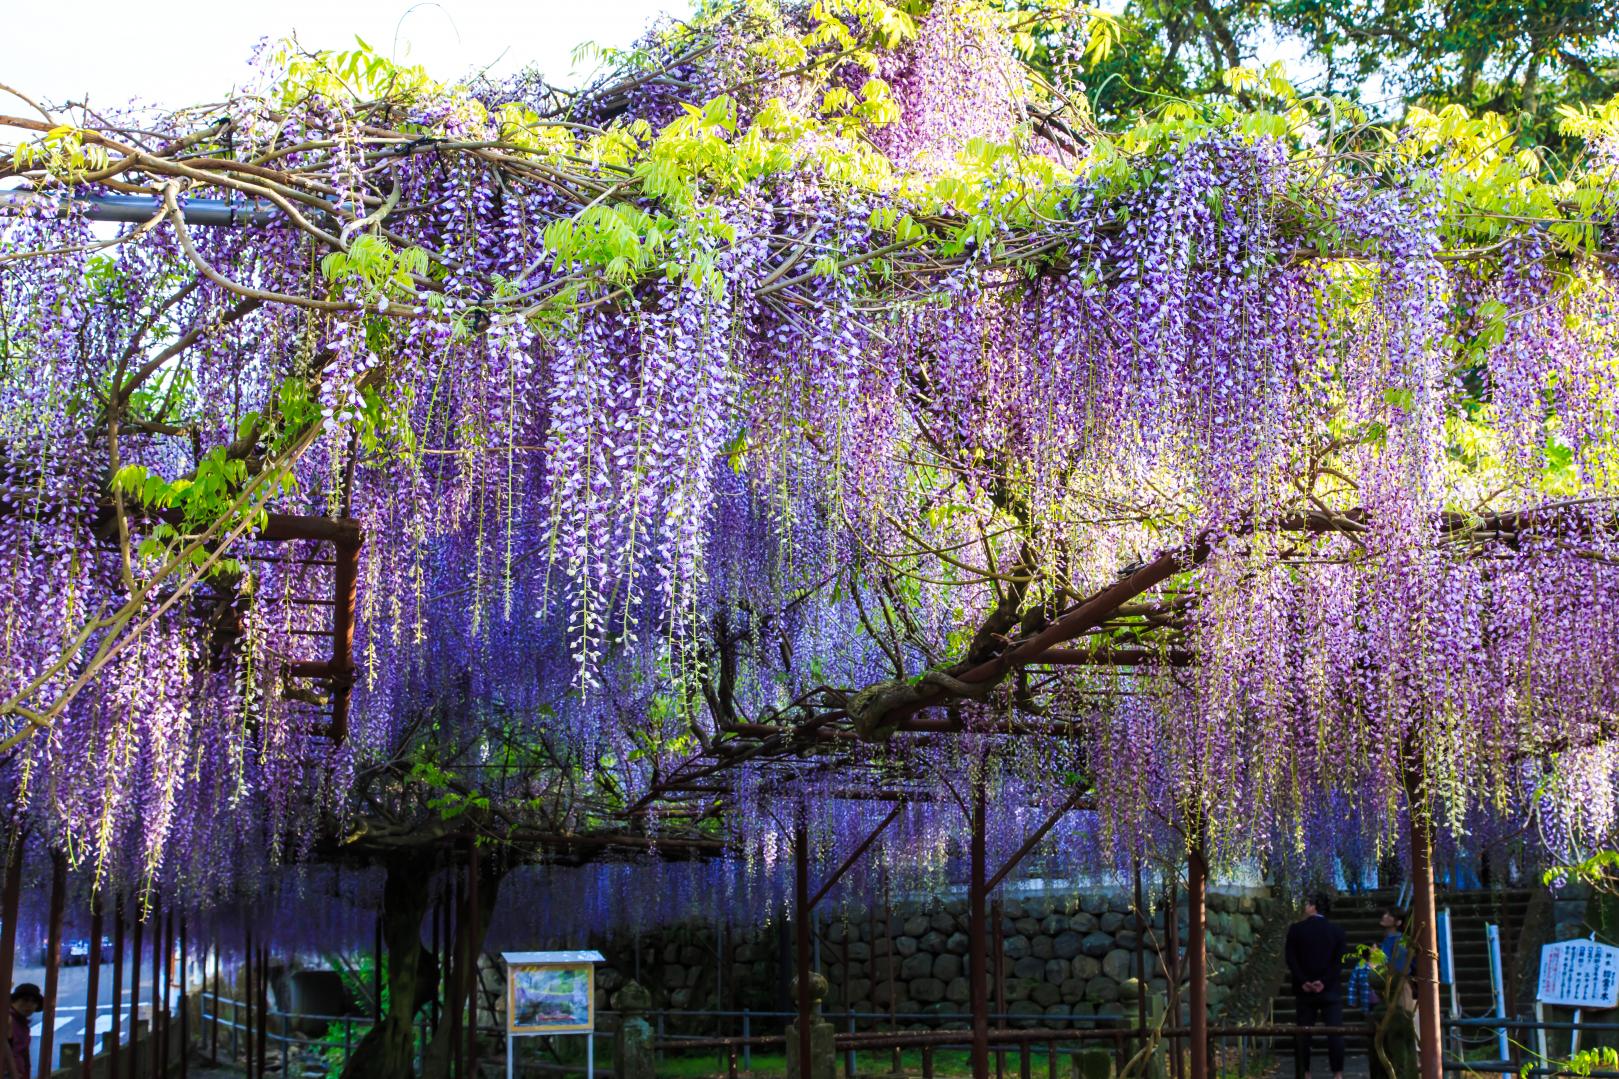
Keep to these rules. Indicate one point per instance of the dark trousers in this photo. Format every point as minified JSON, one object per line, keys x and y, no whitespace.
{"x":1316,"y":1008}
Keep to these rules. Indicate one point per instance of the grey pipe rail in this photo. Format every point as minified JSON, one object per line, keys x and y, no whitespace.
{"x":135,"y":209}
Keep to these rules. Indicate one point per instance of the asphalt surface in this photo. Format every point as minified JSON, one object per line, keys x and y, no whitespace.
{"x":71,"y":1006}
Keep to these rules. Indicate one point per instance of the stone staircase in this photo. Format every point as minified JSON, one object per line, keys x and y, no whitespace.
{"x":1469,"y":913}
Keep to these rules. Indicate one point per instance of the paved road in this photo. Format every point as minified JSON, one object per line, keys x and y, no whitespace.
{"x":73,"y":982}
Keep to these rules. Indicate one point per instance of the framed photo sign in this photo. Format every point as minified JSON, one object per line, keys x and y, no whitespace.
{"x":550,"y":992}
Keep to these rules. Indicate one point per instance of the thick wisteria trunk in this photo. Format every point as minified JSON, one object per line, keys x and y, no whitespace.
{"x":385,"y":1051}
{"x":447,"y":1042}
{"x":1424,"y":928}
{"x":1197,"y":888}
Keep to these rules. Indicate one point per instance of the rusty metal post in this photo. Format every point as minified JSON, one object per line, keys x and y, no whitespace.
{"x":185,"y":1011}
{"x":159,"y":972}
{"x":218,"y":957}
{"x":433,"y":1010}
{"x":474,"y":979}
{"x":453,"y":972}
{"x":53,"y":961}
{"x":801,"y":930}
{"x":1197,"y":894}
{"x":376,"y":972}
{"x":115,"y":1054}
{"x":1424,"y":928}
{"x":92,"y":989}
{"x":135,"y":992}
{"x":168,"y":989}
{"x":264,"y":1007}
{"x":1141,"y":960}
{"x":997,"y":945}
{"x":10,"y":898}
{"x":977,"y":934}
{"x":244,"y":1024}
{"x":1172,"y":936}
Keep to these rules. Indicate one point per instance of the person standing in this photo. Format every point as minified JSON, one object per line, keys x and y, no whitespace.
{"x":1315,"y":958}
{"x":26,"y":999}
{"x":1393,"y":1033}
{"x":1398,"y":957}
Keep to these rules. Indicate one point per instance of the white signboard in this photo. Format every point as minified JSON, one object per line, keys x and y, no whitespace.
{"x":1579,"y":974}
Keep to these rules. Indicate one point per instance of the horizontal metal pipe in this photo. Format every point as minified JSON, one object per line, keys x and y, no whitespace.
{"x":139,"y":208}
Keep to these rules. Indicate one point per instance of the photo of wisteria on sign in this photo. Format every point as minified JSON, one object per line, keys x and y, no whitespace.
{"x":552,"y":998}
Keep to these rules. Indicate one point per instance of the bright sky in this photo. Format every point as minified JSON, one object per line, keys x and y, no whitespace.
{"x":113,"y":50}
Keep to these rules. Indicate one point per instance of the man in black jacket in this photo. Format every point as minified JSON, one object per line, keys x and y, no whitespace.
{"x":1315,"y":959}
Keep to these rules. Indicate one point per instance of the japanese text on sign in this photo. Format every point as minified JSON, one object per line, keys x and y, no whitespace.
{"x":1580,"y":974}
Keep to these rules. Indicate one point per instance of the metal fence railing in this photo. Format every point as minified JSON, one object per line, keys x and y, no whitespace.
{"x":1019,"y":1043}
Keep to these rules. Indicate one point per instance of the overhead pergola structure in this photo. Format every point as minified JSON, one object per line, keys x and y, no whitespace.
{"x":327,"y":552}
{"x":1011,"y":642}
{"x":1084,"y":633}
{"x":862,"y":776}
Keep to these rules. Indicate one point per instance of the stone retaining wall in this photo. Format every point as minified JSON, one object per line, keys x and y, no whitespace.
{"x":1062,"y":956}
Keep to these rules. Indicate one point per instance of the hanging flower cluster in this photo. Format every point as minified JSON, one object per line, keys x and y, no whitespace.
{"x":801,"y":361}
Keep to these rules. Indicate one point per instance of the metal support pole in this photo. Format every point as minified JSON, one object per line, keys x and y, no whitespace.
{"x":264,"y":1007}
{"x":1424,"y":925}
{"x":1141,"y":960}
{"x":997,"y":947}
{"x":453,"y":971}
{"x":801,"y":904}
{"x":474,"y":979}
{"x":376,"y":972}
{"x":11,"y":897}
{"x":185,"y":1011}
{"x":1197,"y":888}
{"x":243,"y":1028}
{"x":1173,"y":937}
{"x":168,"y":992}
{"x":159,"y":970}
{"x":978,"y":936}
{"x":114,"y":1056}
{"x":92,"y":989}
{"x":435,"y":1007}
{"x":53,"y":960}
{"x":135,"y":993}
{"x":217,"y":1008}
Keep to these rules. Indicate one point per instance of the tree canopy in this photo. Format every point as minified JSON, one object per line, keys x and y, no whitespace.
{"x":824,"y":389}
